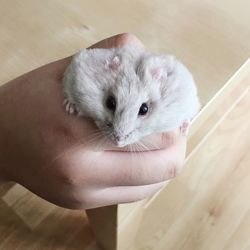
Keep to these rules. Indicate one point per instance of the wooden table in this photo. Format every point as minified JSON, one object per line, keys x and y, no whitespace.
{"x":207,"y":206}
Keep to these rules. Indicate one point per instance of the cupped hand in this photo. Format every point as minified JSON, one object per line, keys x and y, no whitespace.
{"x":52,"y":154}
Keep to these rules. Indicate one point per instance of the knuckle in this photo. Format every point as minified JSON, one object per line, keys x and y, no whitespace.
{"x":64,"y":174}
{"x":70,"y":180}
{"x":73,"y":198}
{"x":168,"y":139}
{"x":173,"y":171}
{"x":73,"y":203}
{"x":128,"y":38}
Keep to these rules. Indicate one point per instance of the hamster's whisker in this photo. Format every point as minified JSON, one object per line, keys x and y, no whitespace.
{"x":84,"y":87}
{"x":132,"y":152}
{"x":93,"y":138}
{"x":79,"y":144}
{"x":138,"y":151}
{"x":143,"y":146}
{"x":95,"y":133}
{"x":105,"y":139}
{"x":73,"y":149}
{"x":150,"y":145}
{"x":155,"y":147}
{"x":102,"y":142}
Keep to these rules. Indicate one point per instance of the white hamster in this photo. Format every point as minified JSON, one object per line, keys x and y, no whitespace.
{"x":129,"y":92}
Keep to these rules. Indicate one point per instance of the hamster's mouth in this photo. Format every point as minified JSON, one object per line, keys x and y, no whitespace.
{"x":124,"y":140}
{"x":121,"y":143}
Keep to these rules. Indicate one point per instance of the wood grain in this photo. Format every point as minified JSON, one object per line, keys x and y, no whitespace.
{"x":232,"y":94}
{"x":211,"y":37}
{"x":130,"y":215}
{"x":207,"y":207}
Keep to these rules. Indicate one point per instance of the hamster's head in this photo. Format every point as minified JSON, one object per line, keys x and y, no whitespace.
{"x":133,"y":105}
{"x":126,"y":116}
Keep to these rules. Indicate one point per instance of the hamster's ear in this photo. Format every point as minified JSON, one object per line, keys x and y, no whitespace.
{"x":114,"y":63}
{"x":156,"y":68}
{"x":158,"y":73}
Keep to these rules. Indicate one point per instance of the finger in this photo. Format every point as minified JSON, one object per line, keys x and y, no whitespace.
{"x":143,"y":168}
{"x":58,"y":67}
{"x":163,"y":140}
{"x":122,"y":194}
{"x":152,"y":142}
{"x":86,"y":131}
{"x":119,"y":40}
{"x":124,"y":168}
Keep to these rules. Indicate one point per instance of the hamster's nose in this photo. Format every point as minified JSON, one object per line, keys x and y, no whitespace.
{"x":117,"y":137}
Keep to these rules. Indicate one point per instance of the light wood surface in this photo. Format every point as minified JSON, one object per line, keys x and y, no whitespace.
{"x":211,"y":37}
{"x":207,"y":207}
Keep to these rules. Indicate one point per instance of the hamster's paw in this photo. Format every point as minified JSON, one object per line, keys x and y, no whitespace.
{"x":184,"y":128}
{"x":71,"y":108}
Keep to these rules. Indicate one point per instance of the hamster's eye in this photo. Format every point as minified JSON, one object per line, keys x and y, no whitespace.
{"x":111,"y":103}
{"x":143,"y":109}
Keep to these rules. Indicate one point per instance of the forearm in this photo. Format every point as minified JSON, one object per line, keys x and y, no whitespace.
{"x":7,"y":121}
{"x":2,"y":136}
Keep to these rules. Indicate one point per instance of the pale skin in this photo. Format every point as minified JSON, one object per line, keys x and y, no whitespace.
{"x":40,"y":146}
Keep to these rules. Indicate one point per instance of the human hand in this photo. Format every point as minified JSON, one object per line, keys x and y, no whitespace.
{"x":49,"y":152}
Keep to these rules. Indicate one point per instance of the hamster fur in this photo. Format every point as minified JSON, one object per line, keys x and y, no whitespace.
{"x":130,"y":93}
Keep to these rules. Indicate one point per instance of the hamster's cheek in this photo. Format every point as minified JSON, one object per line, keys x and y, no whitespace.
{"x":98,"y":124}
{"x":136,"y":137}
{"x":141,"y":132}
{"x":101,"y":116}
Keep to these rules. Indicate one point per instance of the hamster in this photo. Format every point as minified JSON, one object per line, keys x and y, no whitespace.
{"x":129,"y":92}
